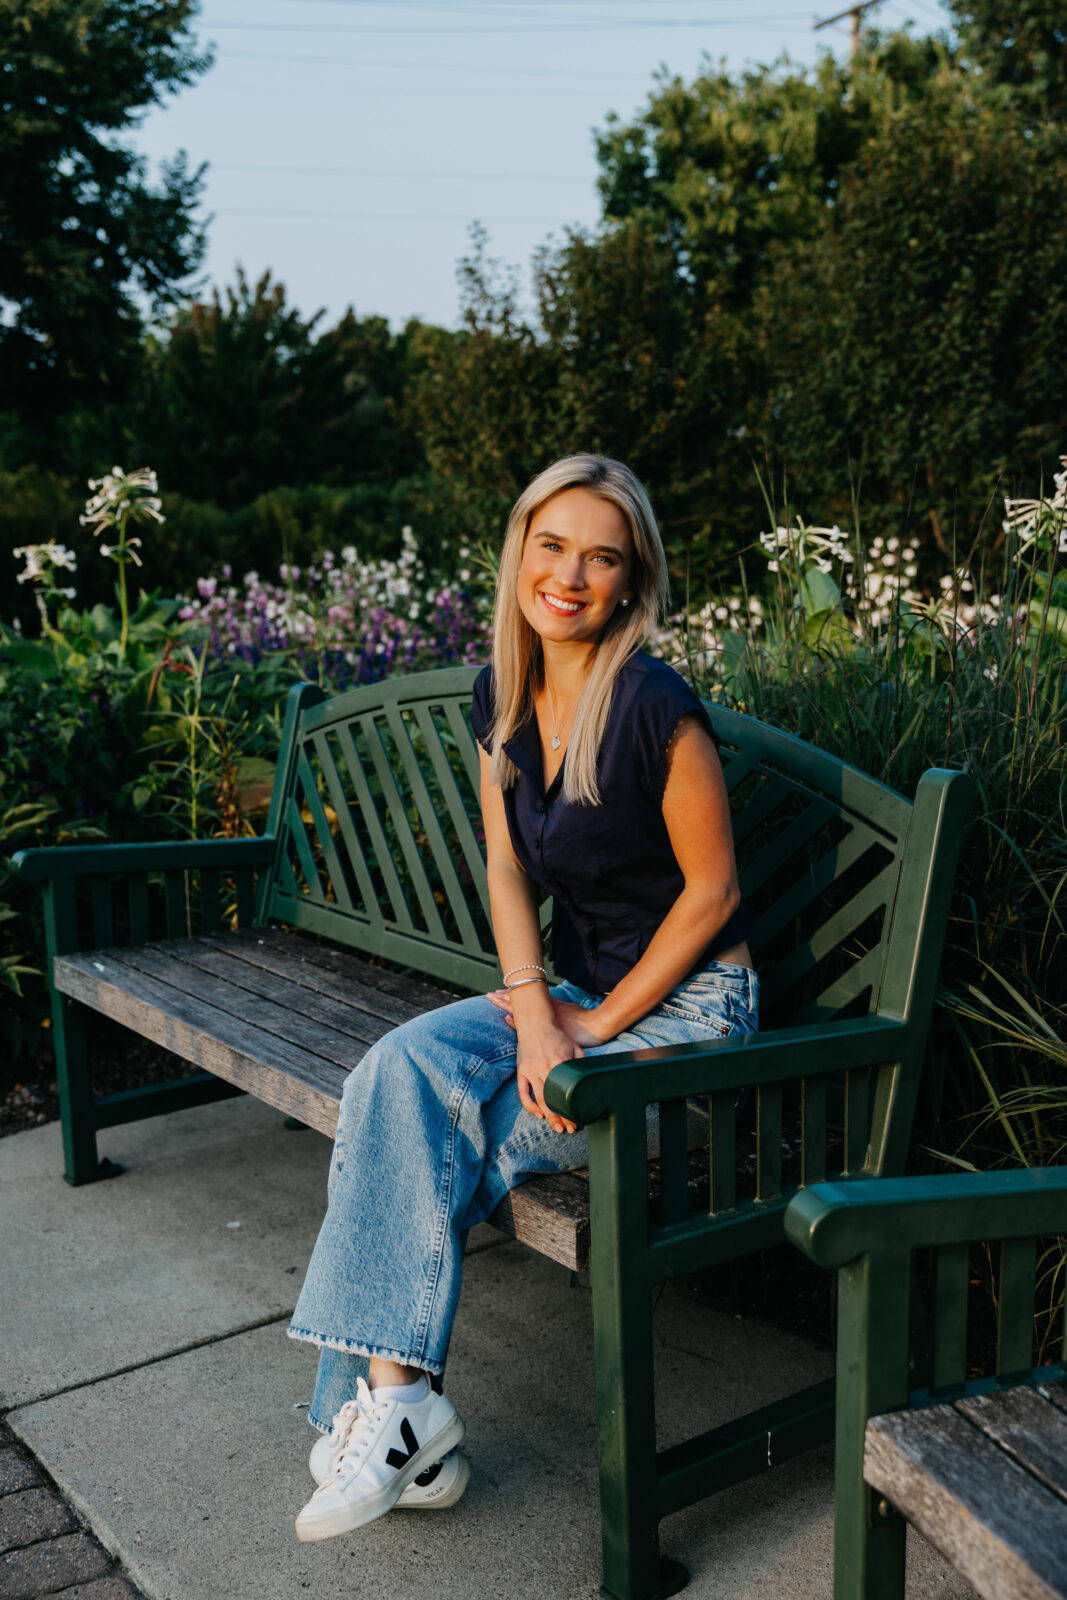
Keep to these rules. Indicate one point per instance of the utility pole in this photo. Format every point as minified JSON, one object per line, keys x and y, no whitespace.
{"x":855,"y":12}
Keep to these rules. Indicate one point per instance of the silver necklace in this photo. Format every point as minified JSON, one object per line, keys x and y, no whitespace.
{"x":555,"y":739}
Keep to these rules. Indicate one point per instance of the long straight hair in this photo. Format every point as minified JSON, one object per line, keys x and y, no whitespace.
{"x":518,"y":658}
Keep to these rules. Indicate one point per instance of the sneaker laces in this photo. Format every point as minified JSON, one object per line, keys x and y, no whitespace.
{"x":351,"y":1432}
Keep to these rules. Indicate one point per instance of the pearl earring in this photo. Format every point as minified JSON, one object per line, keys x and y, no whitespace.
{"x":626,"y":602}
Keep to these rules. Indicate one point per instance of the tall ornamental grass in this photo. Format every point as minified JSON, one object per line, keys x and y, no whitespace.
{"x":851,"y":656}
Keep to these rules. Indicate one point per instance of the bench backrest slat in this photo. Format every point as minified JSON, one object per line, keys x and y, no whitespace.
{"x":381,"y":847}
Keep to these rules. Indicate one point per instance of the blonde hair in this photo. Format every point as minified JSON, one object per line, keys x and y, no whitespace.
{"x":518,"y":660}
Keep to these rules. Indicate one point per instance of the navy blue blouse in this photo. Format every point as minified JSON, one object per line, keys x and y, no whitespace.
{"x":610,"y":869}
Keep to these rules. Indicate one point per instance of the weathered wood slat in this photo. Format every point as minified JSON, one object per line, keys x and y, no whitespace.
{"x":1023,"y":1423}
{"x":300,"y":1084}
{"x":133,"y":986}
{"x":1001,"y":1528}
{"x":252,"y":1012}
{"x":328,"y":970}
{"x":364,"y":1013}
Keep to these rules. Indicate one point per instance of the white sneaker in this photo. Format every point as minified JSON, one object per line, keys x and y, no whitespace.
{"x":386,"y":1445}
{"x":439,"y":1487}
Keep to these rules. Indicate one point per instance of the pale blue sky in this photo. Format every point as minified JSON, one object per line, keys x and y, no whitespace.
{"x":351,"y":142}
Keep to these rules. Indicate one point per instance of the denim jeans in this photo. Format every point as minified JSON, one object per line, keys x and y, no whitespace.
{"x":430,"y":1137}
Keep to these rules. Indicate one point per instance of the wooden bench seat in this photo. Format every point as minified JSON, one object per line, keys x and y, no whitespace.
{"x":287,"y":1019}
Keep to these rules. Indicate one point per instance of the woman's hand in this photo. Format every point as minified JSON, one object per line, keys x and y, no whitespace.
{"x":542,"y":1046}
{"x":577,"y":1022}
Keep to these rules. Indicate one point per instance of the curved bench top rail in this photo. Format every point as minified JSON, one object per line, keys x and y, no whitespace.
{"x":381,"y":847}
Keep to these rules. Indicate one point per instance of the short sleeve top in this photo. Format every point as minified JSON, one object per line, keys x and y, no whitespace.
{"x":610,"y":869}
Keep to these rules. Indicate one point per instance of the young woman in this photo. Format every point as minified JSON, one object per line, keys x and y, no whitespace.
{"x":601,"y":786}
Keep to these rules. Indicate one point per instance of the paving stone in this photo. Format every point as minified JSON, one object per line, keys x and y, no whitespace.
{"x":54,"y":1565}
{"x":34,"y":1514}
{"x":113,"y":1587}
{"x":16,"y":1472}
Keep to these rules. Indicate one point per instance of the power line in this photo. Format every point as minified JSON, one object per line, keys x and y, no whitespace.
{"x":439,"y":66}
{"x":396,"y":172}
{"x":380,"y":216}
{"x":599,"y":25}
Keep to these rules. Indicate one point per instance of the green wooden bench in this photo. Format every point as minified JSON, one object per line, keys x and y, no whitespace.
{"x":978,"y":1464}
{"x":249,"y":959}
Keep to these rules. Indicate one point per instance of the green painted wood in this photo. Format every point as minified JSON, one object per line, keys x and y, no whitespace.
{"x":813,"y":885}
{"x":459,"y":821}
{"x":245,"y":889}
{"x":868,"y":1230}
{"x":769,"y":1141}
{"x":813,"y":1130}
{"x":87,"y":861}
{"x":210,"y":900}
{"x":673,"y":1128}
{"x":951,"y":1275}
{"x":175,"y":890}
{"x":744,"y":1447}
{"x":399,"y":913}
{"x":309,"y":793}
{"x":159,"y":1099}
{"x":722,"y":1153}
{"x":81,"y":1164}
{"x":140,"y":922}
{"x":841,"y":925}
{"x":857,"y":1120}
{"x":400,"y":823}
{"x":103,"y":921}
{"x":1015,"y":1309}
{"x":622,"y":1341}
{"x":442,"y":858}
{"x":792,"y":839}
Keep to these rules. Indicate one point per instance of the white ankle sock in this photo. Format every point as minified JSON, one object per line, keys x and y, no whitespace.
{"x":409,"y":1392}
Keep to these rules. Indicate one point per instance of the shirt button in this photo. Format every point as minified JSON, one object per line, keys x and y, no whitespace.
{"x":540,"y":808}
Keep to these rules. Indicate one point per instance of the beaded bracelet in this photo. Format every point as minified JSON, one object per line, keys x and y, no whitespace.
{"x":522,"y":982}
{"x":526,"y":966}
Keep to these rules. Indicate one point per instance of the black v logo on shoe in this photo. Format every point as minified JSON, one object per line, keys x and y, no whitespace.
{"x":397,"y":1458}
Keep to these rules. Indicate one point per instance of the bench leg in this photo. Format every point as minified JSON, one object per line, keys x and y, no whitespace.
{"x":622,"y":1338}
{"x":875,"y":1315}
{"x":76,"y":1109}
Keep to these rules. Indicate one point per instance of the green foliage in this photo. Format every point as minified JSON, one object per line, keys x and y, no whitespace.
{"x":242,"y":395}
{"x":920,"y":331}
{"x":81,"y":231}
{"x":1020,"y":45}
{"x":988,"y":696}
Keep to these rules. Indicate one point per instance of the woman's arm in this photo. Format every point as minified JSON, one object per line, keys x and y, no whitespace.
{"x":697,"y":813}
{"x":517,"y":932}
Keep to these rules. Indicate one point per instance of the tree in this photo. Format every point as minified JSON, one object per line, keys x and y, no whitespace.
{"x":922,"y":332}
{"x":85,"y":241}
{"x":241,"y":395}
{"x":1020,"y":44}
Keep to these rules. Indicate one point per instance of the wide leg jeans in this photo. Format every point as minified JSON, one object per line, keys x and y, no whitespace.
{"x":430,"y":1137}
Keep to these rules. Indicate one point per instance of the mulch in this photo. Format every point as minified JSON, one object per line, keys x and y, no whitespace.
{"x":118,"y":1060}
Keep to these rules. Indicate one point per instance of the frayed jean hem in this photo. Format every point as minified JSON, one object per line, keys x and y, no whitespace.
{"x":356,"y":1347}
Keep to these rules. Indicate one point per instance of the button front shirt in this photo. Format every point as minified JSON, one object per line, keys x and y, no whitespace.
{"x":610,"y":869}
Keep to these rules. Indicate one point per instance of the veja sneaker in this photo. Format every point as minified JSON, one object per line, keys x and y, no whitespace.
{"x":387,"y":1444}
{"x":439,"y":1487}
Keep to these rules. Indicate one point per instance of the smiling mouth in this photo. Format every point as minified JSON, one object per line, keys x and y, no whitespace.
{"x":562,"y":608}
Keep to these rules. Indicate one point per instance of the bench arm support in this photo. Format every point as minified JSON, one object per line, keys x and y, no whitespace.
{"x":834,"y":1223}
{"x":587,"y":1089}
{"x":75,"y":861}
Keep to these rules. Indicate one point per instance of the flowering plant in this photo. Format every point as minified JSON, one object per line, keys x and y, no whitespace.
{"x":42,"y":563}
{"x":118,"y":499}
{"x":343,"y":620}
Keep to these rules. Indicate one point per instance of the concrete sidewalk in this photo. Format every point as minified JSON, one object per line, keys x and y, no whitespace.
{"x":144,"y":1363}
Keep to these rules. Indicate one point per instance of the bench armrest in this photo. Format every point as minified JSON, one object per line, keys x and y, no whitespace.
{"x":586,"y":1089}
{"x":834,"y":1223}
{"x":75,"y":861}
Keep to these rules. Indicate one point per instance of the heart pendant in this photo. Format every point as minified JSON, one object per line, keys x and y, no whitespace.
{"x":555,"y":741}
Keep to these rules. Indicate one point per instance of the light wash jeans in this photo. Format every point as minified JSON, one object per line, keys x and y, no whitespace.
{"x":430,"y":1137}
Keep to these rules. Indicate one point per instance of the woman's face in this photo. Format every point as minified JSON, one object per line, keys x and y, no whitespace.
{"x":576,"y":566}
